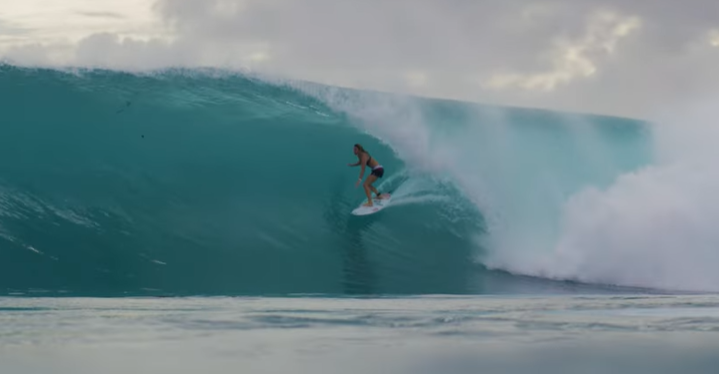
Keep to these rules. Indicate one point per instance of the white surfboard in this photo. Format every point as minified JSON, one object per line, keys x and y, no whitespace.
{"x":377,"y":205}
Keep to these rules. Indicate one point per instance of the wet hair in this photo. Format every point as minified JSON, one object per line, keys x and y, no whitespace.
{"x":358,"y":146}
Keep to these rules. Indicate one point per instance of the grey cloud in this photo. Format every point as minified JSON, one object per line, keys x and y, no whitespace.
{"x":442,"y":34}
{"x":7,"y":28}
{"x":102,"y":15}
{"x":30,"y":54}
{"x":371,"y":34}
{"x":111,"y":50}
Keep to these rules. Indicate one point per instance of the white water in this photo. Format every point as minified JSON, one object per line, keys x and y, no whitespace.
{"x":558,"y":197}
{"x":654,"y":228}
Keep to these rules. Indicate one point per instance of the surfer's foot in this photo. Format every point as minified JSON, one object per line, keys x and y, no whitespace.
{"x":367,"y":204}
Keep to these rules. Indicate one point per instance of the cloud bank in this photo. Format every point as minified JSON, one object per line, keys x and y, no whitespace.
{"x":594,"y":56}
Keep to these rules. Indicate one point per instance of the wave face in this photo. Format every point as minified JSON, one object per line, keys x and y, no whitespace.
{"x":206,"y":182}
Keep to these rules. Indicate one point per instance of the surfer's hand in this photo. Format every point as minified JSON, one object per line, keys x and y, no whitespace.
{"x":358,"y":182}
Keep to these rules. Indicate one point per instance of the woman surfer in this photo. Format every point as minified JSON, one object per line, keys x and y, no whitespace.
{"x":377,"y":172}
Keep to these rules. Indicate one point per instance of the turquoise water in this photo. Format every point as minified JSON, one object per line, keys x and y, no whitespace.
{"x":204,"y":182}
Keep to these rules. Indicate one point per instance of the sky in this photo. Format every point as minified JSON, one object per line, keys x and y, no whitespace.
{"x":598,"y":56}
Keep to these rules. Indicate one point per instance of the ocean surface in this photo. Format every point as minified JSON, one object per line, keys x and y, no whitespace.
{"x":199,"y":220}
{"x":426,"y":334}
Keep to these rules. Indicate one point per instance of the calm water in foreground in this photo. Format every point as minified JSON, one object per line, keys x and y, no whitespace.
{"x":572,"y":334}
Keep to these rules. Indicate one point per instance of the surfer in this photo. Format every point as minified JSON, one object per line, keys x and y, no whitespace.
{"x":377,"y":172}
